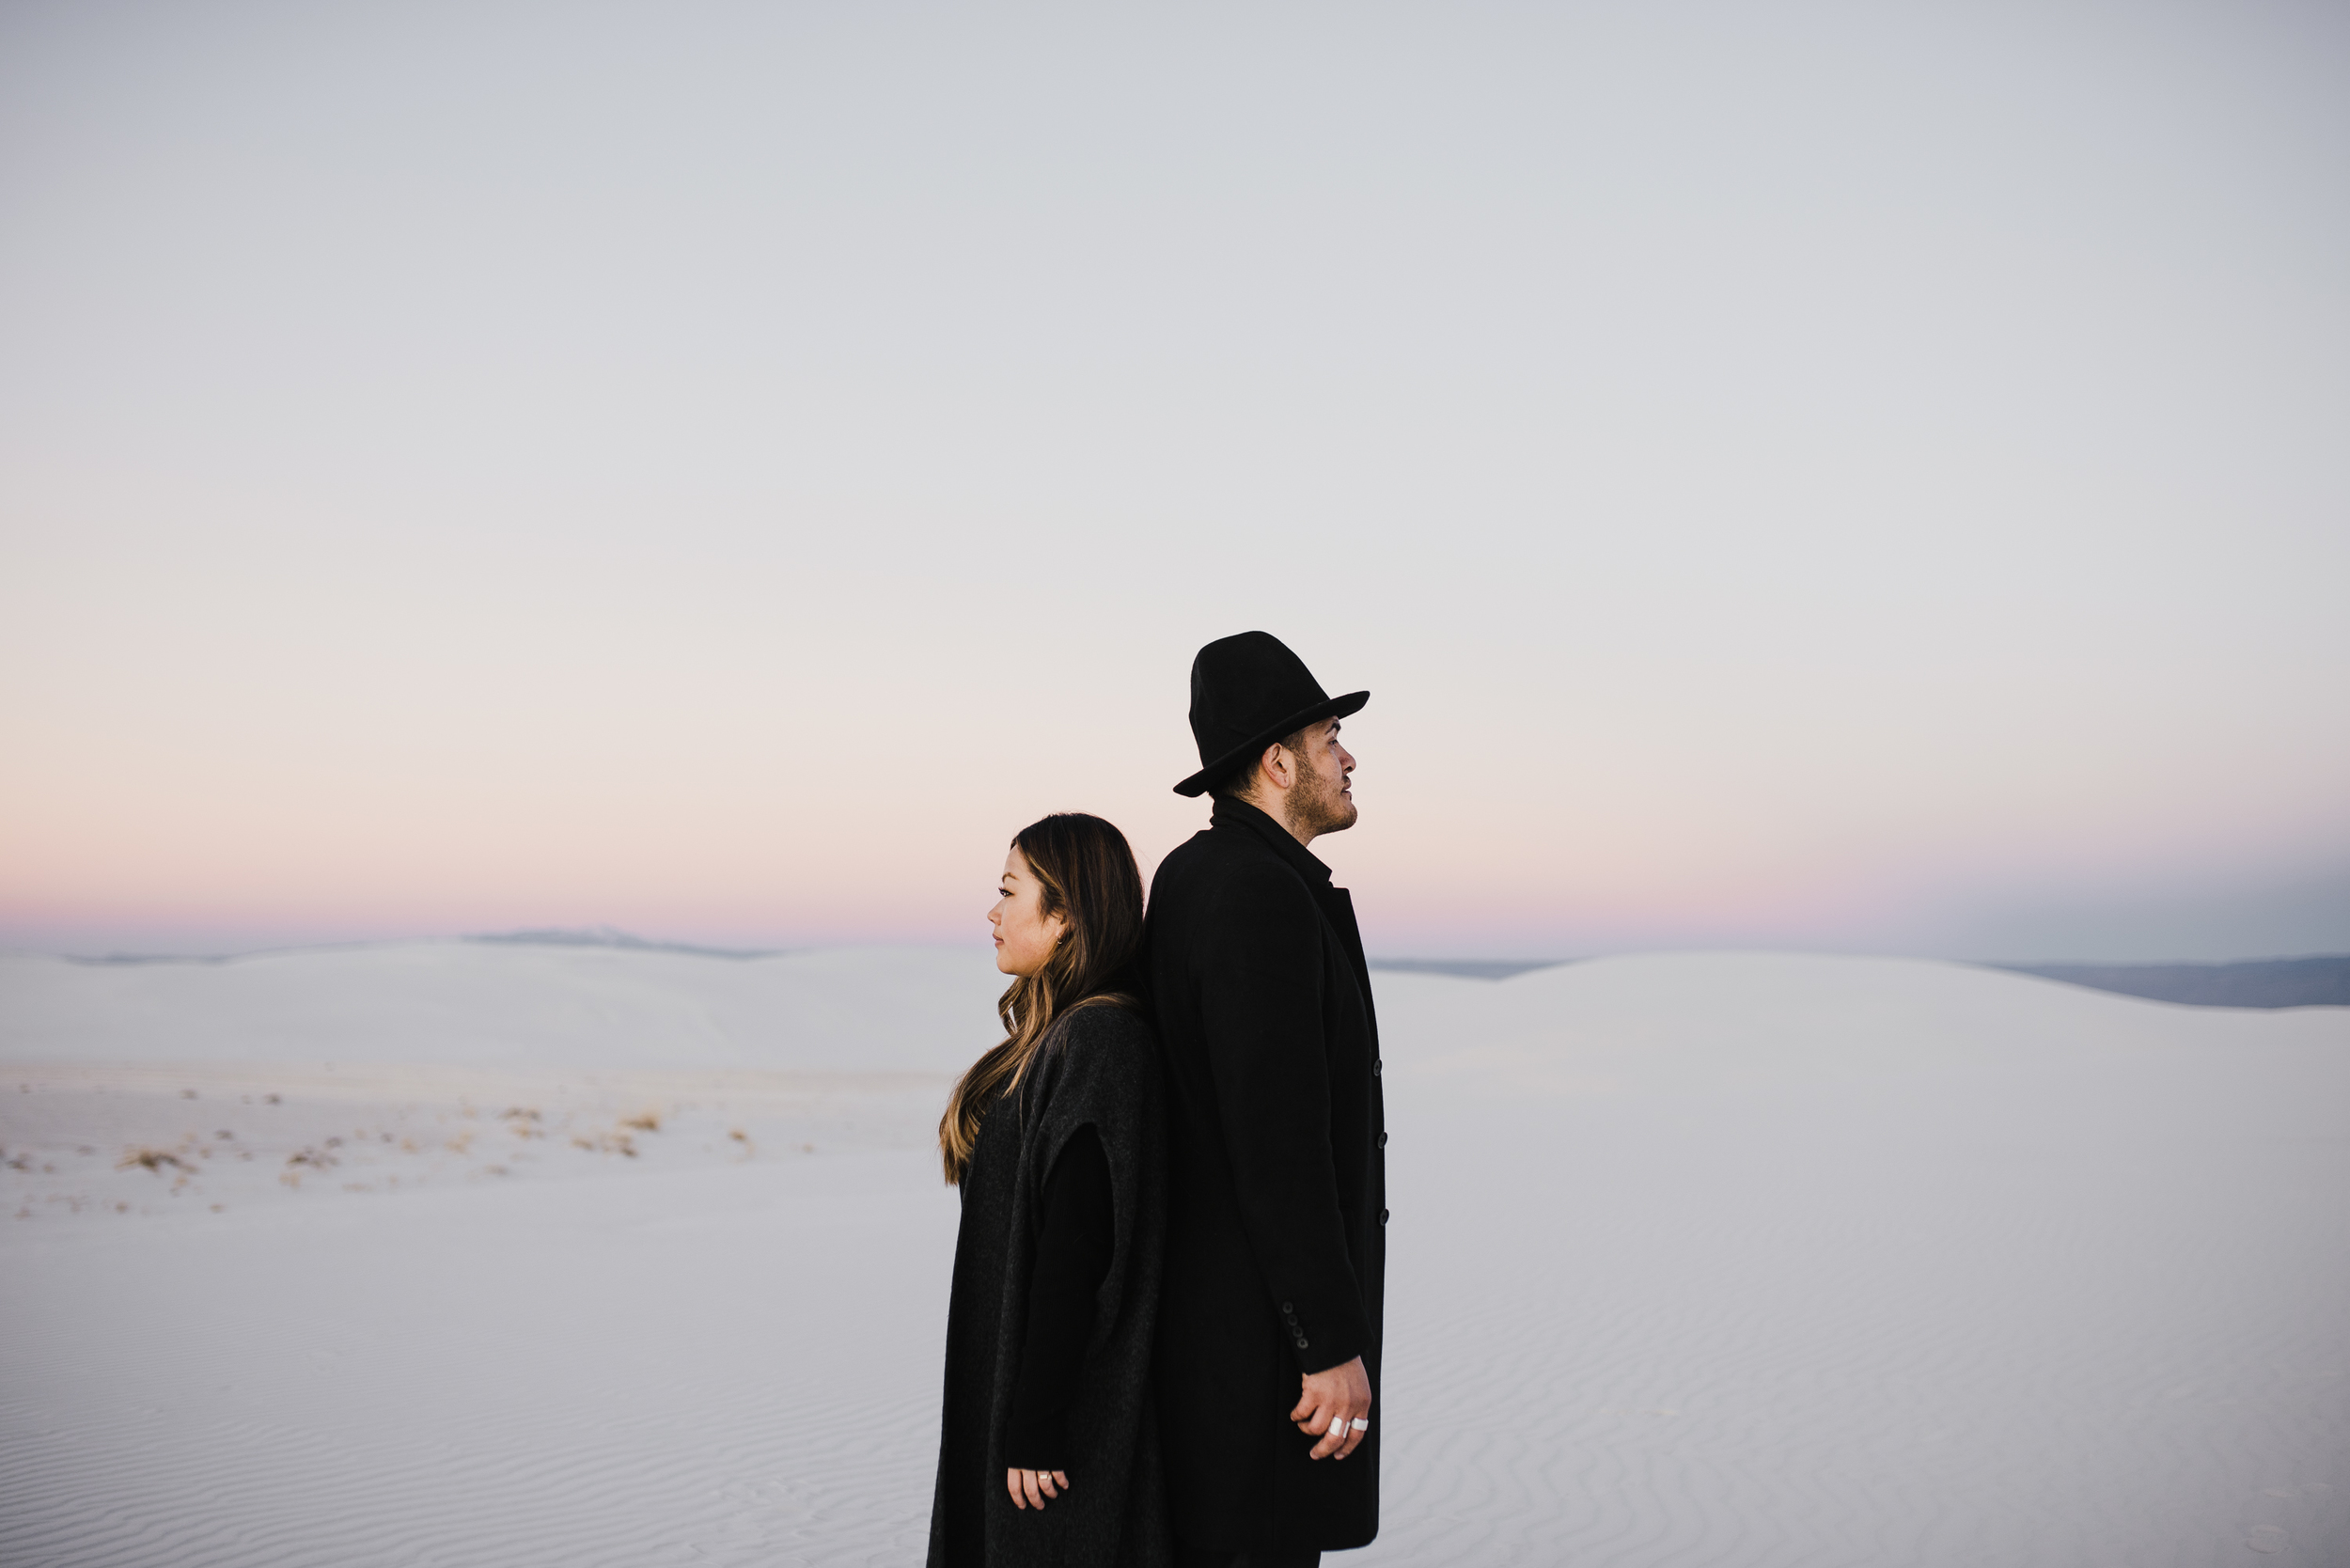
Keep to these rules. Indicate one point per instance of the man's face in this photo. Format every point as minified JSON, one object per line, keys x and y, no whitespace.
{"x":1323,"y":799}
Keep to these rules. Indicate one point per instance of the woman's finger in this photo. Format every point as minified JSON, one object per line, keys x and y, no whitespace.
{"x":1027,"y":1484}
{"x":1333,"y":1438}
{"x":1044,"y":1484}
{"x":1355,"y":1435}
{"x":1012,"y":1485}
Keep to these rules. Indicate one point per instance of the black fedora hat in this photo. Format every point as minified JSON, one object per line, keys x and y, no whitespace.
{"x":1248,"y":692}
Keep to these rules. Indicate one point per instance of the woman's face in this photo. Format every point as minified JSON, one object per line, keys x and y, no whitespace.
{"x":1024,"y":934}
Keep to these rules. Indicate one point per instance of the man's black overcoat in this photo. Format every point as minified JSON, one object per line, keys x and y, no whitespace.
{"x":1276,"y":1251}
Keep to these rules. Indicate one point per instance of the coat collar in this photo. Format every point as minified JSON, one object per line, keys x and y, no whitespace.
{"x":1229,"y":812}
{"x":1338,"y":905}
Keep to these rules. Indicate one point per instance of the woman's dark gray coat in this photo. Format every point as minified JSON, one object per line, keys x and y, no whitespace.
{"x":1276,"y":1249}
{"x":1098,"y":1066}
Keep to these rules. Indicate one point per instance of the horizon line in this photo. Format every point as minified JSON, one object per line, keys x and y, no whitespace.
{"x":612,"y":938}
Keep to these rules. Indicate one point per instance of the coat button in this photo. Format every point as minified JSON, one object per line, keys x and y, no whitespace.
{"x":1383,"y":1141}
{"x":1301,"y":1341}
{"x":1375,"y":1068}
{"x":1383,"y":1216}
{"x":1287,"y":1307}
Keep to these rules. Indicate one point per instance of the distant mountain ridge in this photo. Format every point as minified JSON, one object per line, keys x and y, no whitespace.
{"x":1467,"y":968}
{"x":611,"y":936}
{"x":2323,"y":980}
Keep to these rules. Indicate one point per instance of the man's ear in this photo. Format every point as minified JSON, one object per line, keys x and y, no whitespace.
{"x":1279,"y":767}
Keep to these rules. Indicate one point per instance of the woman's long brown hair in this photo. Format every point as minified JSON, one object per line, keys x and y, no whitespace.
{"x":1086,"y":873}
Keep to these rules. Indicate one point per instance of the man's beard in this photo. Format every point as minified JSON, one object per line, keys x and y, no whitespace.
{"x":1316,"y":804}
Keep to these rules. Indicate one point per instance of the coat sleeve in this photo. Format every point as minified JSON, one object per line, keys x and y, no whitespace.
{"x":1072,"y":1256}
{"x":1258,"y":966}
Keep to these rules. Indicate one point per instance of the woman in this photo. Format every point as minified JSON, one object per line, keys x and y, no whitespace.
{"x":1048,"y":1449}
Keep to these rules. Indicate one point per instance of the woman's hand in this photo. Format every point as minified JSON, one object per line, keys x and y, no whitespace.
{"x":1334,"y":1406}
{"x":1030,"y":1488}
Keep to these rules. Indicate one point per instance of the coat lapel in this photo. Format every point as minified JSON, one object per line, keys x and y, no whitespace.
{"x":1337,"y":904}
{"x":1338,"y":907}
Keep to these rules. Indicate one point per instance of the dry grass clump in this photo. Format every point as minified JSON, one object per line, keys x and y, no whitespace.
{"x":613,"y":1142}
{"x":642,"y":1121}
{"x":140,"y":1156}
{"x":315,"y":1159}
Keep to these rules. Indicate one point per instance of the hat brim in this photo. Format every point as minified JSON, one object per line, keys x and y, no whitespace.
{"x":1335,"y":707}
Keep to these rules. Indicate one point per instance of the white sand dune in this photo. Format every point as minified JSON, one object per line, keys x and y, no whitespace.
{"x":1734,"y":1259}
{"x":497,"y":1004}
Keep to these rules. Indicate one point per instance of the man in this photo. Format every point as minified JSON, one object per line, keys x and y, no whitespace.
{"x":1269,"y":1317}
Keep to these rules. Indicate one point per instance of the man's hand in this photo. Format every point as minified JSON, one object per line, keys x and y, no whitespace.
{"x":1332,"y":1400}
{"x":1030,"y":1488}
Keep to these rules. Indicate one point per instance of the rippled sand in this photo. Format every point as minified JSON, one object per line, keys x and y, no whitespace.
{"x":1728,"y":1260}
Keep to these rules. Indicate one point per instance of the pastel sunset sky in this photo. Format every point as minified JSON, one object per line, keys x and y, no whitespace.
{"x":1829,"y":476}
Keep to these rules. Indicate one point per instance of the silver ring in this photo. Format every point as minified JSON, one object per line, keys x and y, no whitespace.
{"x":1360,"y":1423}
